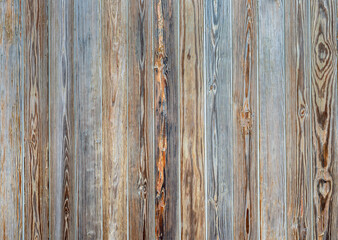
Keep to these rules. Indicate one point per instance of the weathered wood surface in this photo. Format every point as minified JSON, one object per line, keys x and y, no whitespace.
{"x":114,"y":118}
{"x":166,"y":97}
{"x":88,"y":118}
{"x":297,"y":121}
{"x":36,"y":119}
{"x":190,"y":119}
{"x":141,"y":162}
{"x":11,"y":120}
{"x":272,"y":157}
{"x":245,"y":112}
{"x":323,"y":116}
{"x":62,"y":178}
{"x":219,"y":127}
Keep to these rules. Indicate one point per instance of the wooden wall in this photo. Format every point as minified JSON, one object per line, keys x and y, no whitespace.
{"x":168,"y":119}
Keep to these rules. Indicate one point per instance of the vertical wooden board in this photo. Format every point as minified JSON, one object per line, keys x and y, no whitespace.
{"x":61,"y":112}
{"x":272,"y":120}
{"x":88,"y":113}
{"x":245,"y":146}
{"x":114,"y":118}
{"x":141,"y":167}
{"x":36,"y":119}
{"x":166,"y":120}
{"x":11,"y":197}
{"x":218,"y":57}
{"x":323,"y":101}
{"x":192,"y":120}
{"x":298,"y":128}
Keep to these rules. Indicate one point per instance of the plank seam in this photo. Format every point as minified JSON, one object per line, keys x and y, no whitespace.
{"x":284,"y":141}
{"x":127,"y":170}
{"x":258,"y":129}
{"x":179,"y":121}
{"x":205,"y":123}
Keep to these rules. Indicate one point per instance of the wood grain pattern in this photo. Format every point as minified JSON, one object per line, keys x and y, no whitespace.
{"x":36,"y":145}
{"x":166,"y":120}
{"x":11,"y":96}
{"x":323,"y":90}
{"x":272,"y":119}
{"x":114,"y":118}
{"x":192,"y":120}
{"x":88,"y":113}
{"x":219,"y":152}
{"x":141,"y":162}
{"x":62,"y":121}
{"x":297,"y":122}
{"x":245,"y":113}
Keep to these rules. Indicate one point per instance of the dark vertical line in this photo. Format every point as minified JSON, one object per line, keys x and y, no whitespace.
{"x":49,"y":180}
{"x":127,"y":91}
{"x":258,"y":129}
{"x":310,"y":96}
{"x":285,"y":154}
{"x":101,"y":106}
{"x":22,"y":99}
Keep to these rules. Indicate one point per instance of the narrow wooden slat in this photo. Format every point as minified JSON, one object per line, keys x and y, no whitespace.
{"x":297,"y":122}
{"x":245,"y":112}
{"x":192,"y":120}
{"x":323,"y":90}
{"x":219,"y":150}
{"x":62,"y":120}
{"x":166,"y":120}
{"x":88,"y":110}
{"x":11,"y":95}
{"x":141,"y":167}
{"x":272,"y":157}
{"x":114,"y":118}
{"x":36,"y":145}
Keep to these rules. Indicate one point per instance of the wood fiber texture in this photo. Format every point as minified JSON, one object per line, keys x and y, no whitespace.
{"x":168,"y":119}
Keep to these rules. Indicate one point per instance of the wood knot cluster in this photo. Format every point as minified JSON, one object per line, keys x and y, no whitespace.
{"x":246,"y":121}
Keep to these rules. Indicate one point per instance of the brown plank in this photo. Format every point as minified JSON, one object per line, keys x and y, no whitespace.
{"x":166,"y":120}
{"x":114,"y":118}
{"x":272,"y":158}
{"x":11,"y":121}
{"x":62,"y":121}
{"x":219,"y":152}
{"x":245,"y":114}
{"x":323,"y":92}
{"x":36,"y":76}
{"x":141,"y":167}
{"x":298,"y":128}
{"x":88,"y":114}
{"x":192,"y":120}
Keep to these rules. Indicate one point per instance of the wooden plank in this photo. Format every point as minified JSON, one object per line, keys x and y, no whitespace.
{"x":114,"y":118}
{"x":36,"y":87}
{"x":141,"y":163}
{"x":245,"y":114}
{"x":11,"y":96}
{"x":219,"y":152}
{"x":323,"y":90}
{"x":192,"y":120}
{"x":272,"y":120}
{"x":62,"y":179}
{"x":166,"y":120}
{"x":298,"y":128}
{"x":88,"y":113}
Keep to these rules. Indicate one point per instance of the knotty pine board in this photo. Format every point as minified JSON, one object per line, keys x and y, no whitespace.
{"x":11,"y":121}
{"x":297,"y":121}
{"x":245,"y":118}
